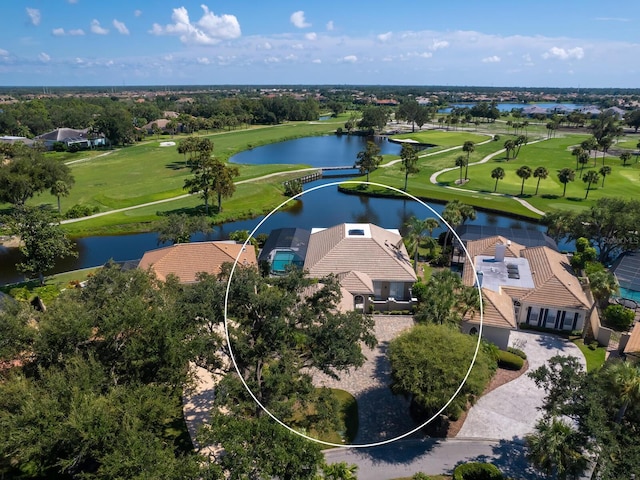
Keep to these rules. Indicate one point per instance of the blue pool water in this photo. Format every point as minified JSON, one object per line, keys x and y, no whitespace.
{"x":630,"y":294}
{"x":281,"y":260}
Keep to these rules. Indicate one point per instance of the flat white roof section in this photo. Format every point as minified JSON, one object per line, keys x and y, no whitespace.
{"x":512,"y":272}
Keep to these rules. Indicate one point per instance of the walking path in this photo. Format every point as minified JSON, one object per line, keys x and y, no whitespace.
{"x":381,"y":414}
{"x":186,"y":195}
{"x":434,"y":180}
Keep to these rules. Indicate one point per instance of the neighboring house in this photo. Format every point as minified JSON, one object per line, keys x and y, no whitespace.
{"x":285,"y":247}
{"x":371,"y":263}
{"x":186,"y":260}
{"x":68,"y":136}
{"x":12,"y":139}
{"x":616,"y":112}
{"x":523,"y":285}
{"x":534,"y":110}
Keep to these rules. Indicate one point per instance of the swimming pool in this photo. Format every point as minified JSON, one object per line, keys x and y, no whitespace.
{"x":629,"y":294}
{"x":282,"y":259}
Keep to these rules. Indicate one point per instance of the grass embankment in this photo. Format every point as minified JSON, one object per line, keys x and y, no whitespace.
{"x":441,"y":139}
{"x":595,"y":357}
{"x":53,"y":285}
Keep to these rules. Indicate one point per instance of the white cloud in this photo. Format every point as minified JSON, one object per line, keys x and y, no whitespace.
{"x":271,"y":60}
{"x":168,"y":58}
{"x":265,"y":46}
{"x":350,"y":59}
{"x":3,"y":52}
{"x":121,"y":27}
{"x":34,"y":16}
{"x":203,"y":61}
{"x":438,"y":44}
{"x":137,"y":13}
{"x":209,"y":30}
{"x":383,"y":37}
{"x":97,"y":29}
{"x":564,"y":54}
{"x":316,"y":60}
{"x":298,"y":20}
{"x":421,"y":55}
{"x":491,"y":59}
{"x":58,"y":32}
{"x":76,"y":32}
{"x":311,"y":36}
{"x":297,"y":46}
{"x":44,"y":57}
{"x":79,"y":61}
{"x":330,"y":25}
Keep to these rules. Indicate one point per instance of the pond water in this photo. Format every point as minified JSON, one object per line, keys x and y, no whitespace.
{"x":325,"y":151}
{"x":507,"y":107}
{"x":321,"y":208}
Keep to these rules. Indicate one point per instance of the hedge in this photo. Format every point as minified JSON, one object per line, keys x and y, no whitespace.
{"x":509,"y":361}
{"x":477,"y":471}
{"x":518,"y":352}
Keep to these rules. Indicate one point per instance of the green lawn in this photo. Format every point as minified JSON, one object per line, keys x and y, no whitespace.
{"x":442,"y":138}
{"x":595,"y":358}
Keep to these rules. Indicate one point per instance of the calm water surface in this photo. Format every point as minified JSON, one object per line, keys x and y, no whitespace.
{"x":321,"y":208}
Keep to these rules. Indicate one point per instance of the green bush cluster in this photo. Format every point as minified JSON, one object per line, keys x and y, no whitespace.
{"x":518,"y":352}
{"x":78,"y":211}
{"x":477,"y":471}
{"x":509,"y":361}
{"x":619,"y":317}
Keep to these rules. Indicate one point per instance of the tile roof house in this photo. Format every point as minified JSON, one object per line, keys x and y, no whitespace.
{"x":68,"y":136}
{"x":523,"y":285}
{"x":186,"y":260}
{"x":371,"y":263}
{"x":284,"y":247}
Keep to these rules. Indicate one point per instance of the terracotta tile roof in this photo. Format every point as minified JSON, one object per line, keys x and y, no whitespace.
{"x":497,"y":310}
{"x":333,"y":251}
{"x":633,"y":345}
{"x":186,"y":260}
{"x":555,"y":283}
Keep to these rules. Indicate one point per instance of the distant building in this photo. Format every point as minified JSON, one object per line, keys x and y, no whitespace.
{"x":70,"y":136}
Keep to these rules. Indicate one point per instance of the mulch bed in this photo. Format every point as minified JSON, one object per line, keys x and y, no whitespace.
{"x":501,"y":377}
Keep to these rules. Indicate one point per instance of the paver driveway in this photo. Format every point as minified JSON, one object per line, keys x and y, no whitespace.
{"x":512,"y":410}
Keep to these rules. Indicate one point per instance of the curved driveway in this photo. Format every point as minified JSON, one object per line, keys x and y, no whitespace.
{"x":511,"y":410}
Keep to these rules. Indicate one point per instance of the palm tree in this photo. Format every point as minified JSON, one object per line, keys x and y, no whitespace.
{"x":414,"y":238}
{"x":541,"y":173}
{"x":605,"y":143}
{"x":521,"y":140}
{"x":340,"y":471}
{"x":625,"y":157}
{"x":603,"y":284}
{"x":590,"y":145}
{"x":61,"y":189}
{"x":460,"y":162}
{"x":524,"y":173}
{"x":469,"y":148}
{"x":565,"y":176}
{"x":451,"y":214}
{"x":409,"y":158}
{"x":583,"y":159}
{"x":604,"y":171}
{"x":556,"y":449}
{"x":509,"y":146}
{"x":589,"y":178}
{"x":625,"y":377}
{"x":498,"y":174}
{"x":576,"y":152}
{"x":369,"y":159}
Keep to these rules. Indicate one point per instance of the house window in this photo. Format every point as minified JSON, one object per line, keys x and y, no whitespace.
{"x":396,"y":290}
{"x":516,"y":309}
{"x":358,"y":301}
{"x":575,"y":320}
{"x":377,"y":290}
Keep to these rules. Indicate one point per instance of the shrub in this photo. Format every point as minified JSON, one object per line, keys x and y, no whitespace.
{"x":292,"y":187}
{"x":619,"y":317}
{"x":509,"y":361}
{"x":421,"y":476}
{"x":496,"y":138}
{"x":477,"y":471}
{"x":518,"y":352}
{"x":419,"y":291}
{"x":78,"y":211}
{"x":59,"y":147}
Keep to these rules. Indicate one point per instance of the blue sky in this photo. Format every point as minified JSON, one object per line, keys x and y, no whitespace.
{"x":563,"y":43}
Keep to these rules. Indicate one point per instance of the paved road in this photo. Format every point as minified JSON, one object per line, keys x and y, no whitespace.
{"x":407,"y":457}
{"x":511,"y":411}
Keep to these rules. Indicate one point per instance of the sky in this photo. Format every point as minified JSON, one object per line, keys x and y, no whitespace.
{"x":560,"y":43}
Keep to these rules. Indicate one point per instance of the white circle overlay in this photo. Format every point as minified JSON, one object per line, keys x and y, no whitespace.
{"x":233,"y":359}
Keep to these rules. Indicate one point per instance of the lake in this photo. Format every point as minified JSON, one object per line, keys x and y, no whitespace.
{"x":507,"y":107}
{"x":321,"y":208}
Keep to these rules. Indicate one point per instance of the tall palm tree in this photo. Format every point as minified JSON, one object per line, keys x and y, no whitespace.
{"x":556,"y":449}
{"x":409,"y":158}
{"x":625,"y":377}
{"x":451,"y":214}
{"x":541,"y":173}
{"x":468,"y":148}
{"x":460,"y":162}
{"x":583,"y":159}
{"x":602,"y":284}
{"x":520,"y":141}
{"x":509,"y":146}
{"x":61,"y":189}
{"x":590,"y":178}
{"x":340,"y":471}
{"x":524,"y":173}
{"x":576,"y":152}
{"x":498,"y":174}
{"x":565,"y":176}
{"x":604,"y":171}
{"x":414,"y":238}
{"x":605,"y":143}
{"x":590,"y":145}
